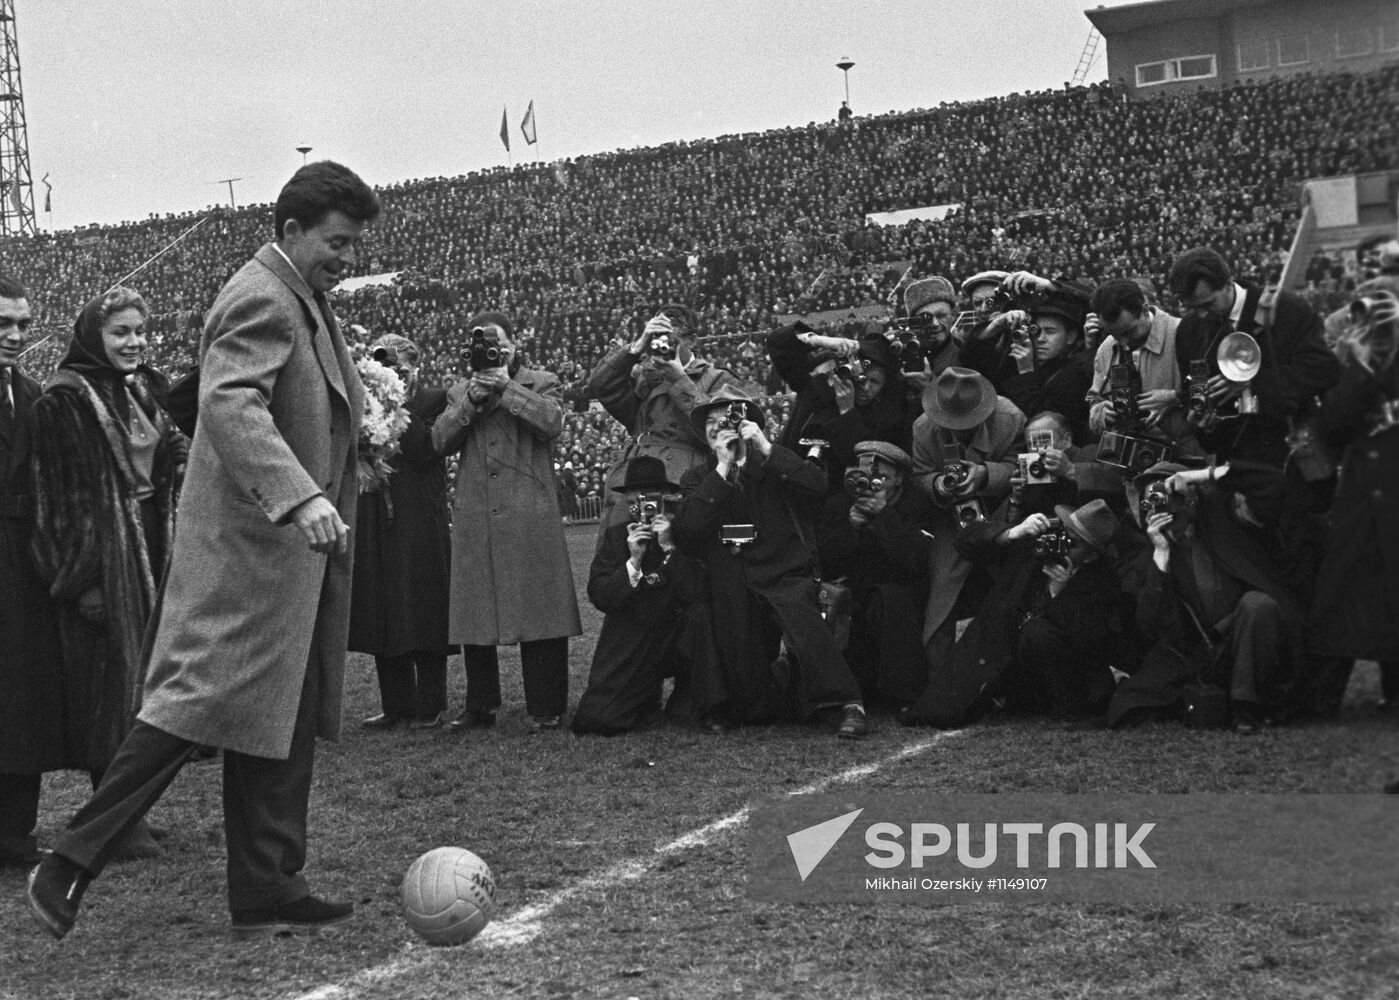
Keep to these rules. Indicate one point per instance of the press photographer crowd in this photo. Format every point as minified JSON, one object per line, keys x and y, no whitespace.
{"x":1063,"y":462}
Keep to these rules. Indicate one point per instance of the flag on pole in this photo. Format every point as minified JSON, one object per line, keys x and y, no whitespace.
{"x":527,"y":126}
{"x":505,"y":128}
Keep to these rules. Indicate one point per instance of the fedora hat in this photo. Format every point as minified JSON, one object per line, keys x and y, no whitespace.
{"x":645,"y":473}
{"x":959,"y":399}
{"x":723,"y":397}
{"x":1092,"y":523}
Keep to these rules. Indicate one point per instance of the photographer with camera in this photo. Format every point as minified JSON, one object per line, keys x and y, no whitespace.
{"x":1356,"y":605}
{"x":644,"y":586}
{"x":403,"y":545}
{"x":1211,"y":597}
{"x":747,"y":513}
{"x":876,"y":534}
{"x":650,"y":386}
{"x":1040,"y":642}
{"x":931,"y":307}
{"x":1295,"y":363}
{"x":511,"y":579}
{"x":1032,"y":353}
{"x":964,"y":455}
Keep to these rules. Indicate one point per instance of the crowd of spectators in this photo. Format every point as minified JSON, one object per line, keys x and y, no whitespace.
{"x":1079,"y":182}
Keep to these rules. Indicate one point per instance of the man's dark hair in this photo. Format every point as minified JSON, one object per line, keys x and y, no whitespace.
{"x":11,"y":289}
{"x":1116,"y":294}
{"x":1197,"y":265}
{"x":320,"y":188}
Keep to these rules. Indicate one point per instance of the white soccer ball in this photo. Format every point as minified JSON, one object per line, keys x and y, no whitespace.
{"x":448,"y":895}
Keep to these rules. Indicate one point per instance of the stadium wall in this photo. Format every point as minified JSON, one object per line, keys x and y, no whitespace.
{"x":1177,"y":46}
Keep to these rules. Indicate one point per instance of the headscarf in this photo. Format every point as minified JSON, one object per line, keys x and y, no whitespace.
{"x":87,"y":358}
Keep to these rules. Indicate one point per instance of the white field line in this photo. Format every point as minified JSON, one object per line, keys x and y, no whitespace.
{"x":524,"y":925}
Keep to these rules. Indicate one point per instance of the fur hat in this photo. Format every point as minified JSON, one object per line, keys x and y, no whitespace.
{"x":959,"y":399}
{"x":921,"y":293}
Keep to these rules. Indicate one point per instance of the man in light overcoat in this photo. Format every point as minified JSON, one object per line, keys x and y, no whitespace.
{"x":247,"y":647}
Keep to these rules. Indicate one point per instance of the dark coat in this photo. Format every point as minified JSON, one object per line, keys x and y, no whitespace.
{"x":1355,"y":612}
{"x":766,"y":591}
{"x":90,"y":534}
{"x":31,"y":708}
{"x":636,"y":647}
{"x":1297,"y":366}
{"x":1184,"y":648}
{"x":398,"y":595}
{"x":1085,"y":611}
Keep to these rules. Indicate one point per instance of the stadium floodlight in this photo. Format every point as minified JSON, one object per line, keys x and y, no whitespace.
{"x":844,"y":66}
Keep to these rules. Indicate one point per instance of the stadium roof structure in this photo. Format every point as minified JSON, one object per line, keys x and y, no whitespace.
{"x":1116,"y":20}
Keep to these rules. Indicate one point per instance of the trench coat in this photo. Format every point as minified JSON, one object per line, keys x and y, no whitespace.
{"x":247,"y":608}
{"x":403,"y":548}
{"x":511,"y":580}
{"x":31,"y":682}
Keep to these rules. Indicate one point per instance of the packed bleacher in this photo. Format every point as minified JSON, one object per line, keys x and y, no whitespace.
{"x":1078,"y":182}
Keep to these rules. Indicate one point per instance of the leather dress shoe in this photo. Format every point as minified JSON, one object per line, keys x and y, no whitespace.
{"x":429,"y":722}
{"x":56,"y":889}
{"x":472,"y":719}
{"x":853,"y":723}
{"x":384,"y":721}
{"x":306,"y":913}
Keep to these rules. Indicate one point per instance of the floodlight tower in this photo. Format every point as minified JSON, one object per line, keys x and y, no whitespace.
{"x":16,"y":182}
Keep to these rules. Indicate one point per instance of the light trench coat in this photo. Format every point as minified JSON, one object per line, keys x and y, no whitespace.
{"x":248,"y":609}
{"x":511,"y":577}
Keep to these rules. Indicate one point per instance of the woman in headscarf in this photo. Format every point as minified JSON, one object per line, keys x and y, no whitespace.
{"x":108,"y":462}
{"x":398,"y":604}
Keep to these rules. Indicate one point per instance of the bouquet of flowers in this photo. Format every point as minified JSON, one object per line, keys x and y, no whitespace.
{"x":385,"y":420}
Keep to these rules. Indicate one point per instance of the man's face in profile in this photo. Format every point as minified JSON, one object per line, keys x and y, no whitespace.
{"x":322,"y":254}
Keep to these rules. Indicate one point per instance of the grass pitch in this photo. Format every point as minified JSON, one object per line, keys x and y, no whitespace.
{"x":552,"y":813}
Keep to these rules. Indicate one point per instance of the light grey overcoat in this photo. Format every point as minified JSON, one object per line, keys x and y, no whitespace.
{"x":511,"y":578}
{"x":248,"y":608}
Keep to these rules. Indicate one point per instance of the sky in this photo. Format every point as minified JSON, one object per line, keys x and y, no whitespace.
{"x":137,"y":107}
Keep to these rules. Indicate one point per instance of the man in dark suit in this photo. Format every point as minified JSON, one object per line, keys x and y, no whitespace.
{"x":1296,"y":363}
{"x":248,"y":641}
{"x":30,"y":741}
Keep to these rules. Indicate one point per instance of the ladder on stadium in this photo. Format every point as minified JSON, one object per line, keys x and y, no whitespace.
{"x":1089,"y":56}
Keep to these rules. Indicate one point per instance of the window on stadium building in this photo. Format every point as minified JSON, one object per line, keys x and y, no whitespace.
{"x":1292,"y":50}
{"x":1351,"y":42}
{"x":1172,"y":70}
{"x":1254,"y":55}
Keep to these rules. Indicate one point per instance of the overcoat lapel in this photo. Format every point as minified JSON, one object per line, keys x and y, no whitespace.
{"x":326,"y":341}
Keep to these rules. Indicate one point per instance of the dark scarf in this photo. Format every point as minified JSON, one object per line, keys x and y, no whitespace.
{"x":87,"y":358}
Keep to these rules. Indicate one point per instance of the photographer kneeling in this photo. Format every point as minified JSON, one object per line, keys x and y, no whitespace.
{"x":743,"y":515}
{"x":876,"y":534}
{"x":1039,"y":643}
{"x":643,"y":586}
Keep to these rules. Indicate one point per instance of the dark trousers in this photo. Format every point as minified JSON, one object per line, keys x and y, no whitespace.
{"x":413,"y":684}
{"x":264,"y":807}
{"x":19,"y":813}
{"x":1054,"y":676}
{"x":545,"y":666}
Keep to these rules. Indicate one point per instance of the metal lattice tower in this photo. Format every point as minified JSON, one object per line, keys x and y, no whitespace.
{"x":16,"y":182}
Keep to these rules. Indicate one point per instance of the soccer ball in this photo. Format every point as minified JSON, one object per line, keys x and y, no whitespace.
{"x":448,"y":895}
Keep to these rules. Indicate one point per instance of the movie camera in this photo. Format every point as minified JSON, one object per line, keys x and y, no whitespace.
{"x":484,"y":350}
